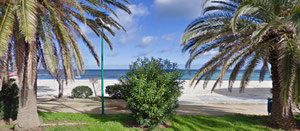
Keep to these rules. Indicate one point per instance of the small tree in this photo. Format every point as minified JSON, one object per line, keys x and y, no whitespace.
{"x":82,"y":92}
{"x":60,"y":81}
{"x":94,"y":80}
{"x":9,"y":100}
{"x":151,"y":89}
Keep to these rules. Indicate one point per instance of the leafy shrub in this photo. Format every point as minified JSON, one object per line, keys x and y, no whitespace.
{"x":151,"y":89}
{"x":82,"y":92}
{"x":9,"y":100}
{"x":114,"y":91}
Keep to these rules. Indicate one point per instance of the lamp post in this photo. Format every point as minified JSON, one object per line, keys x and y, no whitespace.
{"x":102,"y":73}
{"x":102,"y":57}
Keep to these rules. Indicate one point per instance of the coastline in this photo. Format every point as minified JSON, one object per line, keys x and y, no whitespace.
{"x":255,"y":92}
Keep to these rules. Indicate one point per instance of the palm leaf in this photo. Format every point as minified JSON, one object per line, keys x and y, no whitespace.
{"x":6,"y":27}
{"x":27,"y":18}
{"x":49,"y":50}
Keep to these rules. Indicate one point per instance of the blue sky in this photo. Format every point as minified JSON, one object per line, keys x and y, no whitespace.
{"x":153,"y":30}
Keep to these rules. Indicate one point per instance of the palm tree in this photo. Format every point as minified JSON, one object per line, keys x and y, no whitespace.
{"x":40,"y":31}
{"x":246,"y":33}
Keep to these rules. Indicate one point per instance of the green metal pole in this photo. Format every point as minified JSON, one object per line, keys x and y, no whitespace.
{"x":102,"y":74}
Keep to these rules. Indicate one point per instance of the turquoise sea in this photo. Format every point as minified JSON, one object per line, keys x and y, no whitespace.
{"x":115,"y":73}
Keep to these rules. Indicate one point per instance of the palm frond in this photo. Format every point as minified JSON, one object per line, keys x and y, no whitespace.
{"x":248,"y":71}
{"x":49,"y":50}
{"x":6,"y":28}
{"x":242,"y":10}
{"x":26,"y":14}
{"x":118,"y":4}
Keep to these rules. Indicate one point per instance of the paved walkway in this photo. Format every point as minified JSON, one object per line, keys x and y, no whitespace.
{"x":192,"y":101}
{"x":119,"y":106}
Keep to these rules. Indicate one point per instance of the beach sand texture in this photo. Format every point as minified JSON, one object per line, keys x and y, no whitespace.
{"x":255,"y":92}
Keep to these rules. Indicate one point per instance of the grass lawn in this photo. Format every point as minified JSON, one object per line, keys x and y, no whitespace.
{"x":179,"y":122}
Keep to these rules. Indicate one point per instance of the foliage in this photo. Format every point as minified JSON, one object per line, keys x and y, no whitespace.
{"x":9,"y":100}
{"x":151,"y":88}
{"x":246,"y":33}
{"x":179,"y":122}
{"x":53,"y":27}
{"x":114,"y":91}
{"x":82,"y":92}
{"x":46,"y":32}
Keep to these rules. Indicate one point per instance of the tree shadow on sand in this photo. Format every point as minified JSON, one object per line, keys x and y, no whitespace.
{"x":44,"y":89}
{"x":252,"y":93}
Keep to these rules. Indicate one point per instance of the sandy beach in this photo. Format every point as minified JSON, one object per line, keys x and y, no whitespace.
{"x":255,"y":93}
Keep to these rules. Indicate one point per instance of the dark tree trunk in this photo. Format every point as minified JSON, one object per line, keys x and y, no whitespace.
{"x":26,"y":61}
{"x":281,"y":114}
{"x":60,"y":88}
{"x":8,"y":60}
{"x":6,"y":72}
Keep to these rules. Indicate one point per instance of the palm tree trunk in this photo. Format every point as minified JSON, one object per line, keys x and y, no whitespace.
{"x":6,"y":65}
{"x":281,"y":114}
{"x":27,"y":117}
{"x":8,"y":60}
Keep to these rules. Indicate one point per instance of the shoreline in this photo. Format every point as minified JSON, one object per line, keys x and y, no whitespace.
{"x":255,"y":92}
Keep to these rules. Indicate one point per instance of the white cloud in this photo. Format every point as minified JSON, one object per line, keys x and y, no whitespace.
{"x":136,"y":10}
{"x":169,"y":37}
{"x":143,"y":54}
{"x":163,"y":1}
{"x":128,"y":35}
{"x":179,"y":8}
{"x":130,"y":22}
{"x":139,"y":10}
{"x":165,"y":50}
{"x":85,"y":29}
{"x":146,"y":40}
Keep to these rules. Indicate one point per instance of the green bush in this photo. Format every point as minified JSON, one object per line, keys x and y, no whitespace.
{"x":82,"y":92}
{"x":114,"y":91}
{"x":9,"y":100}
{"x":151,"y":89}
